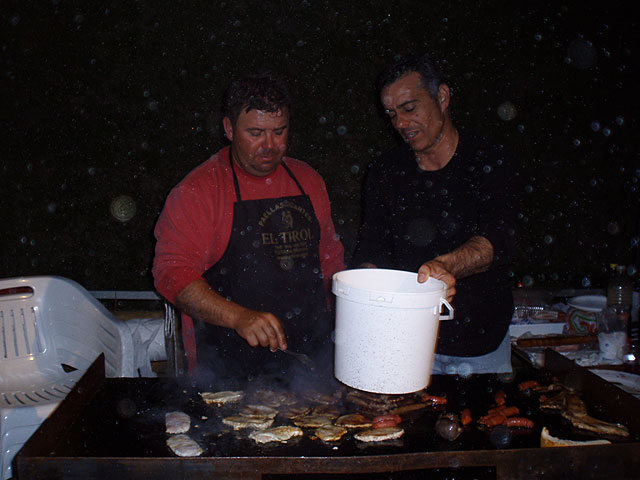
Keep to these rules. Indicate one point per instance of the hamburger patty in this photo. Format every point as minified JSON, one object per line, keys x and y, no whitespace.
{"x":276,"y":434}
{"x":379,"y":434}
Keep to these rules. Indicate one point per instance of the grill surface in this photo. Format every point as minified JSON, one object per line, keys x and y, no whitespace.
{"x":114,"y":428}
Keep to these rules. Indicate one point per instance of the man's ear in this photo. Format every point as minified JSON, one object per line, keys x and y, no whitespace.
{"x":228,"y":128}
{"x":444,"y":95}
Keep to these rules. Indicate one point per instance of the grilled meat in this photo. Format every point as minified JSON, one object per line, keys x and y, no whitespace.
{"x":379,"y":434}
{"x":326,"y":410}
{"x":322,"y":398}
{"x":295,"y":411}
{"x":576,"y":412}
{"x":221,"y":398}
{"x":258,"y":411}
{"x":177,"y":422}
{"x":354,"y":420}
{"x":240,"y":422}
{"x":378,"y":403}
{"x":574,"y":409}
{"x":275,"y":434}
{"x":313,"y":421}
{"x":330,"y":433}
{"x":184,"y":446}
{"x":273,"y":398}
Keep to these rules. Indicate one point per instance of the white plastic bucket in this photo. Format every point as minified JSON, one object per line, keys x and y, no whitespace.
{"x":386,"y":329}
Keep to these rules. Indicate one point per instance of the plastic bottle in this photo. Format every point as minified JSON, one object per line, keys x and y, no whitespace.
{"x":619,"y":288}
{"x":633,"y":356}
{"x":613,"y":321}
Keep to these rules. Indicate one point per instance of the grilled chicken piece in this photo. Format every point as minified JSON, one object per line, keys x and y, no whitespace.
{"x":378,"y":403}
{"x":330,"y":433}
{"x":274,"y":399}
{"x":379,"y":434}
{"x":177,"y":422}
{"x":555,"y":403}
{"x":220,"y":398}
{"x":322,"y":398}
{"x":295,"y":411}
{"x":326,"y":410}
{"x":313,"y":421}
{"x":576,"y":412}
{"x":574,"y":409}
{"x":354,"y":420}
{"x":184,"y":446}
{"x":258,"y":411}
{"x":276,"y":434}
{"x":240,"y":422}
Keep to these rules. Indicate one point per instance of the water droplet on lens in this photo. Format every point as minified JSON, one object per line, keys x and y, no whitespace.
{"x":527,"y":280}
{"x":123,"y":208}
{"x":507,"y":111}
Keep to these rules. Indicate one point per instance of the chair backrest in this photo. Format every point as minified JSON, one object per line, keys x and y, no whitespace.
{"x":51,"y":330}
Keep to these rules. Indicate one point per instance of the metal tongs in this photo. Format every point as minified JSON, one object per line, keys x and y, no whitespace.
{"x":301,"y":357}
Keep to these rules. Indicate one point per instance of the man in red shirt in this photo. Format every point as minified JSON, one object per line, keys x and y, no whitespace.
{"x":246,"y":245}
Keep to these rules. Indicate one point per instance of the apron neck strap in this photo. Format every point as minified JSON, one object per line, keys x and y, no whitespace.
{"x":237,"y":185}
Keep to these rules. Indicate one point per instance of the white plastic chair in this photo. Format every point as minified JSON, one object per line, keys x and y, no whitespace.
{"x":51,"y":330}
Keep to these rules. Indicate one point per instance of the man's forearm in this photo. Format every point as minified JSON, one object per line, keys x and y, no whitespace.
{"x":473,"y":256}
{"x":199,"y":301}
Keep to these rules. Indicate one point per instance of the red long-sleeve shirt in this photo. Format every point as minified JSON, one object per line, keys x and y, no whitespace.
{"x":194,"y":227}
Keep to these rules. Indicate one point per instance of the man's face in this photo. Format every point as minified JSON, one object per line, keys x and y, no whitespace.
{"x":258,"y":140}
{"x":414,"y":114}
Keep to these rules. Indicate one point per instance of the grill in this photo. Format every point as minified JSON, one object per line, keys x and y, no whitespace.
{"x":114,"y":428}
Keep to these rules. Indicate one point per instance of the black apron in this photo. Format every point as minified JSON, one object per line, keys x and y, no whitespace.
{"x":271,"y":264}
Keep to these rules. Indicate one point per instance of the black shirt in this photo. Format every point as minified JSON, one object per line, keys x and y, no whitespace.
{"x":411,"y":216}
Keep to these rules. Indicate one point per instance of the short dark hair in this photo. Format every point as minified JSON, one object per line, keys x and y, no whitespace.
{"x":255,"y":92}
{"x":430,"y":73}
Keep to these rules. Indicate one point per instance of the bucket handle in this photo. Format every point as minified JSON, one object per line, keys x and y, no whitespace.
{"x":449,"y":307}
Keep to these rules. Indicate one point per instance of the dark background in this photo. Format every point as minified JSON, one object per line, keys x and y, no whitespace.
{"x":104,"y":99}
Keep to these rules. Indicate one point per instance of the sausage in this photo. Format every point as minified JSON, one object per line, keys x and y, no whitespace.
{"x":519,"y":422}
{"x":383,"y":421}
{"x":528,"y":385}
{"x":435,"y":400}
{"x":385,"y":424}
{"x":504,"y":410}
{"x":500,"y":397}
{"x":492,"y":420}
{"x":465,"y":416}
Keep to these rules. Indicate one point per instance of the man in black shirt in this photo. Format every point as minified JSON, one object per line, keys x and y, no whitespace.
{"x":444,"y":204}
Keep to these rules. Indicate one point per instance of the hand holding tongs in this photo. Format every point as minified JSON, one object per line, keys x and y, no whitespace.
{"x":301,"y":357}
